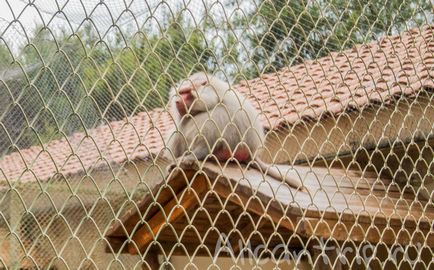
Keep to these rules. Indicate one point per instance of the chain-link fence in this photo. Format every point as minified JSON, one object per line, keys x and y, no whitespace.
{"x":216,"y":134}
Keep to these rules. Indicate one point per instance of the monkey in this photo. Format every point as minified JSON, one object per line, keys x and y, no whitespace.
{"x":212,"y":118}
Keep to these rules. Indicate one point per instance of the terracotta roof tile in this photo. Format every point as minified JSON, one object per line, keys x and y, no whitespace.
{"x":368,"y":73}
{"x":114,"y":142}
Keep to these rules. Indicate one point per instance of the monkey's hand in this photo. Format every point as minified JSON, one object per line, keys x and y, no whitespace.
{"x":171,"y":167}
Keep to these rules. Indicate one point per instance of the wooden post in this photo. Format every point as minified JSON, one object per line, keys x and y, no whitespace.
{"x":329,"y":262}
{"x":151,"y":262}
{"x":171,"y":211}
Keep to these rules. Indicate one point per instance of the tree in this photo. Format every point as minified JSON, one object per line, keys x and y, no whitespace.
{"x":42,"y":93}
{"x":286,"y":32}
{"x":70,"y":81}
{"x":138,"y":76}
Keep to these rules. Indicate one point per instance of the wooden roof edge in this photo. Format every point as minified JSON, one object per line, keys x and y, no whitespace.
{"x":178,"y":184}
{"x":158,"y":191}
{"x":189,"y":182}
{"x":172,"y":210}
{"x":342,"y":231}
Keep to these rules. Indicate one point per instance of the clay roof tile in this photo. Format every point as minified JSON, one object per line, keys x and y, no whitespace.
{"x":364,"y":75}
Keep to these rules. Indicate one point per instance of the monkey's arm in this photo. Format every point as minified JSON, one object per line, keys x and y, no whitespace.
{"x":206,"y":134}
{"x":176,"y":144}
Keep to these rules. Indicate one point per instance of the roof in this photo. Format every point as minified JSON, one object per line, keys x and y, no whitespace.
{"x":343,"y":204}
{"x":372,"y":73}
{"x":113,"y":143}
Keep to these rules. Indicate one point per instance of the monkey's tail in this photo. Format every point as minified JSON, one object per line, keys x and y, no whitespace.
{"x":274,"y":172}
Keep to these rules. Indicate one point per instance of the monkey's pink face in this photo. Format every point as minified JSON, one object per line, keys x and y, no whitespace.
{"x":195,"y":96}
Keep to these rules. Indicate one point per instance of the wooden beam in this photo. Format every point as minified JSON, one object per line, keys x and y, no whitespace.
{"x":253,"y":205}
{"x":328,"y":260}
{"x":205,"y":250}
{"x":115,"y":244}
{"x":245,"y":232}
{"x":164,"y":190}
{"x":151,"y":262}
{"x":174,"y":209}
{"x":338,"y":136}
{"x":381,"y":233}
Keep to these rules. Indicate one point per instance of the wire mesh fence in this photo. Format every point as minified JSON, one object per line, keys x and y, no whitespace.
{"x":173,"y":134}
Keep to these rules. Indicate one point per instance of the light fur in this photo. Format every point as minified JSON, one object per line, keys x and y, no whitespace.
{"x":219,"y":118}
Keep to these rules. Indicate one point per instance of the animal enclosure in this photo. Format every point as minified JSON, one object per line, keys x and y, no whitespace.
{"x":306,"y":141}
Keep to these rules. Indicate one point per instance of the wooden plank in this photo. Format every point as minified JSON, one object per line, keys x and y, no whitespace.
{"x":360,"y":232}
{"x":204,"y":250}
{"x":173,"y":209}
{"x":320,"y":202}
{"x":254,"y":206}
{"x":115,"y":244}
{"x":151,"y":261}
{"x":245,"y":232}
{"x":337,"y":137}
{"x":162,"y":193}
{"x":327,"y":261}
{"x":348,"y":207}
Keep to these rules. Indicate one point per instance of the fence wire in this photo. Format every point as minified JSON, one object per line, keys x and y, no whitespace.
{"x":113,"y":155}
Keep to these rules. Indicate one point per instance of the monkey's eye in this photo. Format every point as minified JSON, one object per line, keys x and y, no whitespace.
{"x":203,"y":83}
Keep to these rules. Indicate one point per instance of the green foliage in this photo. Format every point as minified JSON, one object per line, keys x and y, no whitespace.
{"x":71,"y":82}
{"x":357,"y":21}
{"x":43,"y":90}
{"x":5,"y":56}
{"x":286,"y":32}
{"x":138,"y":77}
